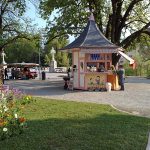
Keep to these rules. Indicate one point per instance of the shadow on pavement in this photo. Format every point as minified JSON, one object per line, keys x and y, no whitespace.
{"x":39,"y":87}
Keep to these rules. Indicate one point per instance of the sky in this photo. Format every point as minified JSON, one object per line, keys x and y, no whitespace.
{"x":32,"y":13}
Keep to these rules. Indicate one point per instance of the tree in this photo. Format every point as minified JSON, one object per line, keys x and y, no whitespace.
{"x":47,"y":59}
{"x":62,"y":59}
{"x":144,"y":47}
{"x":121,"y":21}
{"x":22,"y":50}
{"x":11,"y":27}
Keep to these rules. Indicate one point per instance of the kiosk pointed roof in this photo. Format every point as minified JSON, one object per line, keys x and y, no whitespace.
{"x":91,"y":37}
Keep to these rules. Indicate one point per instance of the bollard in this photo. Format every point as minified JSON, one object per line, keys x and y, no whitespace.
{"x":108,"y":86}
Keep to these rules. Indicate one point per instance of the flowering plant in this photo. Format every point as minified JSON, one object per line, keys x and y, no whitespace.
{"x":12,"y":121}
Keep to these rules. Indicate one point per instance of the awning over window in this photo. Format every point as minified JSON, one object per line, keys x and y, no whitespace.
{"x":127,"y":57}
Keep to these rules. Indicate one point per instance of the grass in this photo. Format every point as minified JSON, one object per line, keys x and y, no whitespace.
{"x":61,"y":125}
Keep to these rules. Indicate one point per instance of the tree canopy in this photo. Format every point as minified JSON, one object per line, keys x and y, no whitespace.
{"x":121,"y":21}
{"x":22,"y":50}
{"x":12,"y":25}
{"x":144,"y":48}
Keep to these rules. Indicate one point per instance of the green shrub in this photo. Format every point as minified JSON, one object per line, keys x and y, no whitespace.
{"x":148,"y":74}
{"x":130,"y":72}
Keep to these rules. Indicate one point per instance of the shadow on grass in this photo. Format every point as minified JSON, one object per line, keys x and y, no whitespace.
{"x":104,"y":132}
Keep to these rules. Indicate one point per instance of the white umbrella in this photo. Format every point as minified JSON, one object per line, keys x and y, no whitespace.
{"x":132,"y":61}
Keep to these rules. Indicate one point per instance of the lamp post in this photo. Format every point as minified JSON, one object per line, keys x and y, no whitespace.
{"x":40,"y":48}
{"x":39,"y":62}
{"x":39,"y":57}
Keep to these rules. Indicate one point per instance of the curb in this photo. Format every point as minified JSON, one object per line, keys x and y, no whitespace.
{"x":122,"y":110}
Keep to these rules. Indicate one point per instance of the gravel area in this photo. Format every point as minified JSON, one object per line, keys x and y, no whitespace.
{"x":135,"y":99}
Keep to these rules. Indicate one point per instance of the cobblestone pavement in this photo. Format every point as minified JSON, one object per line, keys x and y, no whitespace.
{"x":135,"y":99}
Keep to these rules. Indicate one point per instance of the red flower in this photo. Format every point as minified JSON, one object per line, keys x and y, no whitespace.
{"x":22,"y":119}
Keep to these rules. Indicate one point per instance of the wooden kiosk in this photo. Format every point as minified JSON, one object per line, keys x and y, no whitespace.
{"x":92,"y":57}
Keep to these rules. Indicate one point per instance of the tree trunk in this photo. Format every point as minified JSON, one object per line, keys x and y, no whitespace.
{"x":108,"y":28}
{"x":115,"y":21}
{"x":1,"y":33}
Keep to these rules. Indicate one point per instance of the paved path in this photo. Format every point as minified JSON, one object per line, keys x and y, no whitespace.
{"x":135,"y":98}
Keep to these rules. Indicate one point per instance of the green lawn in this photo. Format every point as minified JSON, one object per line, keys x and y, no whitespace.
{"x":62,"y":125}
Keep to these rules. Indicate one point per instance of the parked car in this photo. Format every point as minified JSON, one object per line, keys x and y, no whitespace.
{"x":61,"y":69}
{"x":58,"y":70}
{"x":32,"y":73}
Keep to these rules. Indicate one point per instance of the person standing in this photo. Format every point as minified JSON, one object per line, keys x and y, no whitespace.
{"x":68,"y":71}
{"x":6,"y":75}
{"x":12,"y":73}
{"x":121,"y":75}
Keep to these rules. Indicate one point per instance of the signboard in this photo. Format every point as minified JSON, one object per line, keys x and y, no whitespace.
{"x":96,"y":81}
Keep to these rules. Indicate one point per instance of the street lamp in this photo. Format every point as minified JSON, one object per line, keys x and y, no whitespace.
{"x":39,"y":55}
{"x":39,"y":62}
{"x":40,"y":47}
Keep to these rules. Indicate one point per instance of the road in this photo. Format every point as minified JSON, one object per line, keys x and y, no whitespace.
{"x":135,"y":99}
